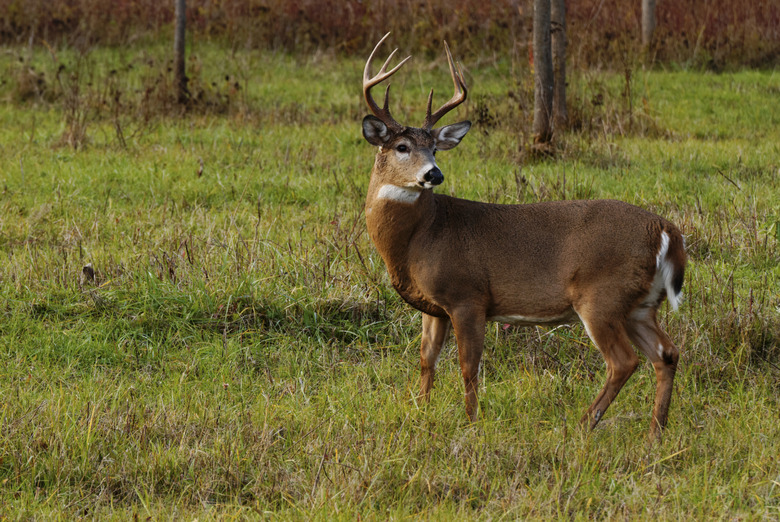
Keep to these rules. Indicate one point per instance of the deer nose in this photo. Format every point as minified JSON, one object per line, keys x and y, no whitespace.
{"x":434,"y":176}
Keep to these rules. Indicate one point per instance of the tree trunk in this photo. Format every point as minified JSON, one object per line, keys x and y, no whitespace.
{"x":543,"y":73}
{"x":180,"y":77}
{"x":558,"y":33}
{"x":648,"y":22}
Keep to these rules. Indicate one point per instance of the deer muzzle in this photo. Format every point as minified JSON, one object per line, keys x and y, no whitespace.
{"x":432,"y":178}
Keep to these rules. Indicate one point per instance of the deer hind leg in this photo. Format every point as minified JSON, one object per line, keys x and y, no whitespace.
{"x":648,"y":336}
{"x":612,"y":341}
{"x":469,"y":326}
{"x":435,"y":331}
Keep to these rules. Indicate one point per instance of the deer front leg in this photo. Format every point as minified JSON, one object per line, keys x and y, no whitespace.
{"x":435,"y":331}
{"x":469,"y":325}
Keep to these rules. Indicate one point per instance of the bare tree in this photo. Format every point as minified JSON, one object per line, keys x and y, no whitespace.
{"x":648,"y":22}
{"x":180,"y":76}
{"x":543,"y":74}
{"x":558,"y":33}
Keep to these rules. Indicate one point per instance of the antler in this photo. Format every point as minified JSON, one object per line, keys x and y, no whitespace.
{"x":368,"y":82}
{"x":459,"y":97}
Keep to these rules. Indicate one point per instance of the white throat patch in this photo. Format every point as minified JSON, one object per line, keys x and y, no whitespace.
{"x":400,"y":194}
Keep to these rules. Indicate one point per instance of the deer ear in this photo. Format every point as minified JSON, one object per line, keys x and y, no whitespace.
{"x":375,"y":131}
{"x":449,"y":136}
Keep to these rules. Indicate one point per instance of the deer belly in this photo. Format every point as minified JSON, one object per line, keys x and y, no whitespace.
{"x":530,"y":320}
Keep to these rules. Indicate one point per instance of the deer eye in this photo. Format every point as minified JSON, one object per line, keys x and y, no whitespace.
{"x":402,"y":148}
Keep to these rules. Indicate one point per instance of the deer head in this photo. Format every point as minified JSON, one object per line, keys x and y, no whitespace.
{"x":406,"y":158}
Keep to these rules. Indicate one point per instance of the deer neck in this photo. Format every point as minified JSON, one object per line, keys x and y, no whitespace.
{"x":394,"y":215}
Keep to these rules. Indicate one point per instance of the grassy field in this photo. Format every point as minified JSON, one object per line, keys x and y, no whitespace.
{"x":195,"y":325}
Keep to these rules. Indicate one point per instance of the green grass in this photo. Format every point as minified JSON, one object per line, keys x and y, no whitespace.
{"x":241,"y":353}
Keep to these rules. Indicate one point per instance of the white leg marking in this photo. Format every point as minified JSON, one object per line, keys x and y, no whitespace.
{"x":400,"y":194}
{"x":587,"y":331}
{"x":640,"y":314}
{"x":438,"y":354}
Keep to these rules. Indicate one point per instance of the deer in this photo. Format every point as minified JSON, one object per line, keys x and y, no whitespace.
{"x":605,"y":263}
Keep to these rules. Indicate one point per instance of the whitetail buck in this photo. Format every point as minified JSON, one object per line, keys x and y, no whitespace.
{"x":463,"y":263}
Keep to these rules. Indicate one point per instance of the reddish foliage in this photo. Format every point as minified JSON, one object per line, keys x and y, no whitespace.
{"x":708,"y":31}
{"x":600,"y":31}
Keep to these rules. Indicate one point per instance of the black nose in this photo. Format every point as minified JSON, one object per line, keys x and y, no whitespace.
{"x":434,"y":176}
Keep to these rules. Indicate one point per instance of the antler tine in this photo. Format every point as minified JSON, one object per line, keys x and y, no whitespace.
{"x":457,"y":98}
{"x":368,"y":82}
